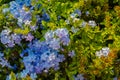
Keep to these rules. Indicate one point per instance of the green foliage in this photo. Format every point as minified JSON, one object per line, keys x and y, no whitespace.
{"x":12,"y":76}
{"x":86,"y":41}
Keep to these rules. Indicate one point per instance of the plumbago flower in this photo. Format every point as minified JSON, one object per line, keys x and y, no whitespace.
{"x":9,"y":39}
{"x":71,"y":53}
{"x":28,"y":37}
{"x":59,"y":36}
{"x":77,"y":12}
{"x":40,"y":58}
{"x":17,"y":10}
{"x":79,"y":77}
{"x":43,"y":55}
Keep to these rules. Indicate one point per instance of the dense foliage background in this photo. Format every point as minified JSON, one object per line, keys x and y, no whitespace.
{"x":59,"y":39}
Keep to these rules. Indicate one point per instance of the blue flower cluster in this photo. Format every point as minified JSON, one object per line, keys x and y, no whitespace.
{"x":43,"y":55}
{"x":41,"y":61}
{"x":9,"y":40}
{"x":28,"y":37}
{"x":17,"y":9}
{"x":76,"y":15}
{"x":39,"y":56}
{"x":57,"y":37}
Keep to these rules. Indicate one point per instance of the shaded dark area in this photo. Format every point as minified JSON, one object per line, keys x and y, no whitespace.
{"x":112,"y":4}
{"x":5,"y":1}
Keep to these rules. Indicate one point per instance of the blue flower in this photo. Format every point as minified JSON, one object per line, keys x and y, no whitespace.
{"x":62,"y":32}
{"x":20,"y":2}
{"x":73,"y":15}
{"x":14,"y":9}
{"x":79,"y":77}
{"x":49,"y":35}
{"x":27,"y":2}
{"x":24,"y":73}
{"x":17,"y":38}
{"x":17,"y":9}
{"x":65,"y":41}
{"x":45,"y":17}
{"x":11,"y":44}
{"x":1,"y":55}
{"x":23,"y":2}
{"x":28,"y":37}
{"x":55,"y":44}
{"x":8,"y":39}
{"x":5,"y":39}
{"x":77,"y":11}
{"x":41,"y":57}
{"x":33,"y":76}
{"x":72,"y":53}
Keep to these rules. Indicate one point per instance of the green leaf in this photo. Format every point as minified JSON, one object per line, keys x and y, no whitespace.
{"x":70,"y":74}
{"x":12,"y":76}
